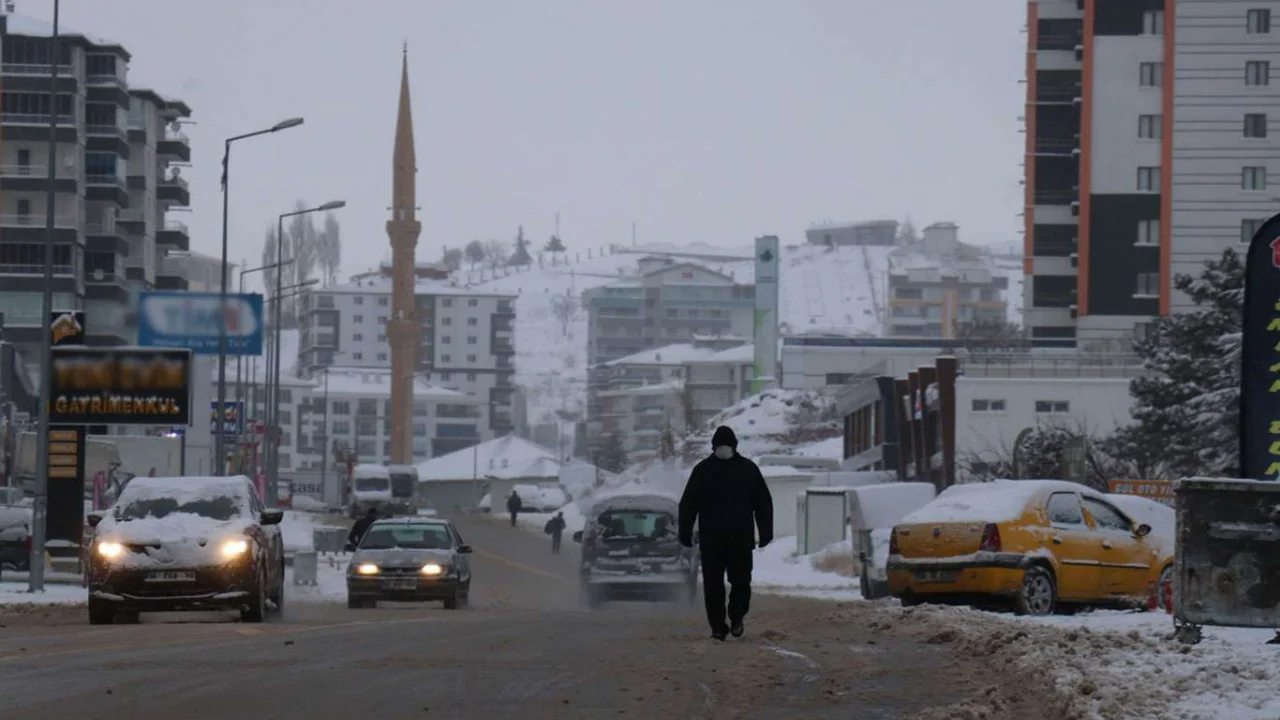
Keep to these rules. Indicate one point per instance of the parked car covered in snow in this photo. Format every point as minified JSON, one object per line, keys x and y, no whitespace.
{"x":1033,"y":543}
{"x":185,"y":543}
{"x":15,"y":537}
{"x":631,"y":549}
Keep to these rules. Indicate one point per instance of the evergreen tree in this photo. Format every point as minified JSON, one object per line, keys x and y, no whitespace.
{"x":554,"y":245}
{"x":521,"y":255}
{"x":451,"y":258}
{"x":907,"y":233}
{"x":1189,"y":406}
{"x":611,"y":455}
{"x":474,"y":252}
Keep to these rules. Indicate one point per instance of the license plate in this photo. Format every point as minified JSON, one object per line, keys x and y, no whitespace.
{"x":401,"y":584}
{"x":171,"y":576}
{"x":936,"y":576}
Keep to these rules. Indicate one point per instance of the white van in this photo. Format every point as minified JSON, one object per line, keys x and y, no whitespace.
{"x":370,"y":488}
{"x":404,"y":489}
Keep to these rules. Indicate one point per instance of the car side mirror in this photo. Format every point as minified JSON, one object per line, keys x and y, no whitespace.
{"x":350,"y":547}
{"x":93,"y":519}
{"x":465,"y":550}
{"x":271,"y":517}
{"x":577,"y":536}
{"x":1143,"y":530}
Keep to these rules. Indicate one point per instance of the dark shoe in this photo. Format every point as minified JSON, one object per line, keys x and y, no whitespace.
{"x":719,"y":635}
{"x":737,"y":629}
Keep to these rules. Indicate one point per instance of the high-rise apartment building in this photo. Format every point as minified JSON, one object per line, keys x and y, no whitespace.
{"x":117,"y":175}
{"x":1151,"y":146}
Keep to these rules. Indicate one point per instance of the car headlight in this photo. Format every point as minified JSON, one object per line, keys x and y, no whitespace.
{"x":432,"y":569}
{"x":110,"y":550}
{"x":367,"y":569}
{"x":234,"y":548}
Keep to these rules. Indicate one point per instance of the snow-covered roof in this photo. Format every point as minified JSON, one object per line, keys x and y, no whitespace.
{"x":506,"y":457}
{"x":381,"y":285}
{"x":674,"y":354}
{"x":742,"y":354}
{"x":662,"y":388}
{"x":376,"y":382}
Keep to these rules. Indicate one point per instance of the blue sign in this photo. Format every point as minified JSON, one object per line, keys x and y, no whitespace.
{"x":194,"y":320}
{"x":232,"y":423}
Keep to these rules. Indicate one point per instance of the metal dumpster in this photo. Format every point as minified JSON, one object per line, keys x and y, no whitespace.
{"x":1228,"y":554}
{"x":304,"y":568}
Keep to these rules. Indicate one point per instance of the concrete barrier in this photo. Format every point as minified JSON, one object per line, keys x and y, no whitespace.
{"x":329,"y":540}
{"x":304,"y":568}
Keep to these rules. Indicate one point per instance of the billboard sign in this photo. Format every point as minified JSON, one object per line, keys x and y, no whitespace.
{"x":66,"y":327}
{"x":194,"y":320}
{"x":1160,"y":491}
{"x":120,"y":386}
{"x":231,"y":425}
{"x":1260,"y":374}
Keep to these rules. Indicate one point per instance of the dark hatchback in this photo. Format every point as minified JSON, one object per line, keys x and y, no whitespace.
{"x":186,"y":543}
{"x":410,"y":560}
{"x":631,"y":551}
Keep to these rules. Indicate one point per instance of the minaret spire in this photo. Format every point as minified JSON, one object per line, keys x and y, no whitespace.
{"x":403,"y":331}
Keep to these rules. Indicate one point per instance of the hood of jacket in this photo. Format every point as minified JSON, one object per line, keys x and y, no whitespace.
{"x":724,"y":436}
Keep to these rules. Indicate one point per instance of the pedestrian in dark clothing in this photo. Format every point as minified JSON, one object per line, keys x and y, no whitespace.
{"x":361,"y":526}
{"x":514,"y":506}
{"x":555,"y":528}
{"x":727,"y":497}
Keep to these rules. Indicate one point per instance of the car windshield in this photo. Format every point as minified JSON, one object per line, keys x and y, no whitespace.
{"x":220,"y":507}
{"x":635,"y":524}
{"x":402,"y":485}
{"x":372,"y":483}
{"x":408,"y":537}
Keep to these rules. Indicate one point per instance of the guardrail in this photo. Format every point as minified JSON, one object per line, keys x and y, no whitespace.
{"x":176,"y":226}
{"x":176,"y":136}
{"x":15,"y":269}
{"x":36,"y":119}
{"x":110,"y":130}
{"x":1014,"y":365}
{"x":36,"y":220}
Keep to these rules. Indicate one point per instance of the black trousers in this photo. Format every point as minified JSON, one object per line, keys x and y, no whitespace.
{"x":718,"y":562}
{"x":513,"y":519}
{"x":555,"y":542}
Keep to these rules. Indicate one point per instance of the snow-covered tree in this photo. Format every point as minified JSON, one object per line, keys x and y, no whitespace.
{"x":1190,"y":403}
{"x":329,"y":249}
{"x":495,"y":252}
{"x":474,"y":252}
{"x":451,"y":258}
{"x":991,"y":335}
{"x":611,"y":455}
{"x":554,"y":245}
{"x":566,"y":308}
{"x":667,"y":443}
{"x":521,"y":255}
{"x":907,"y":233}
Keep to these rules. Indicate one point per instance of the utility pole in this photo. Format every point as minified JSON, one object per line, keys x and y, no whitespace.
{"x":40,"y":509}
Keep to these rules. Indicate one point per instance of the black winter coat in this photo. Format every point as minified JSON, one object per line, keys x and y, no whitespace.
{"x":726,"y":498}
{"x":358,"y":530}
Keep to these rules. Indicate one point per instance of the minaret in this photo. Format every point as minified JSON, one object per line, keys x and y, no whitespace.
{"x":403,"y":228}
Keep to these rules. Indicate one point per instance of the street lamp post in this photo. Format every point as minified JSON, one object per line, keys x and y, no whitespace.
{"x":271,"y":408}
{"x":220,"y":453}
{"x":240,"y":358}
{"x":273,"y":469}
{"x":324,"y":436}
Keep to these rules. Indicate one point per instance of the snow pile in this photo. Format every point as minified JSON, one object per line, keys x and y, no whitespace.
{"x":776,"y":422}
{"x":777,"y":567}
{"x":14,"y":595}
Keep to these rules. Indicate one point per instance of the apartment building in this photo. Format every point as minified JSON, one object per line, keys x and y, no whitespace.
{"x":939,"y":284}
{"x":639,"y":416}
{"x":876,"y":233}
{"x":117,"y":175}
{"x":466,"y":342}
{"x":717,"y":381}
{"x":1151,"y":146}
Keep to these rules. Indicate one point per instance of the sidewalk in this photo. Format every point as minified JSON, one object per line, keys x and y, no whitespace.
{"x":50,"y":577}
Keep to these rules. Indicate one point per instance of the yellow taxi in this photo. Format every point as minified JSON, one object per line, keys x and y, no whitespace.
{"x":1033,"y":543}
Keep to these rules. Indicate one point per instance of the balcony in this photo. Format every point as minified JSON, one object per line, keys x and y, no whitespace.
{"x":174,"y":234}
{"x":105,"y":79}
{"x":105,"y":236}
{"x":103,"y":180}
{"x":131,"y":217}
{"x":173,"y":190}
{"x":106,"y":186}
{"x":35,"y":178}
{"x":113,"y":131}
{"x":38,"y":119}
{"x":23,"y":269}
{"x":38,"y":221}
{"x":174,"y":146}
{"x":34,"y":70}
{"x":101,"y":284}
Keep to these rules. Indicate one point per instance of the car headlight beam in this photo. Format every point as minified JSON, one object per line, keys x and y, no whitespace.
{"x":232,"y":549}
{"x":110,"y":550}
{"x":432,"y":569}
{"x":367,"y":569}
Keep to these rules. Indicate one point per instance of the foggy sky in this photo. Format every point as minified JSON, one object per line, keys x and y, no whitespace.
{"x":701,"y":120}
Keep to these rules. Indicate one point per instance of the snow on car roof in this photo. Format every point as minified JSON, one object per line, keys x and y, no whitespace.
{"x":410,"y":521}
{"x":641,"y":497}
{"x":186,"y":488}
{"x":995,"y":501}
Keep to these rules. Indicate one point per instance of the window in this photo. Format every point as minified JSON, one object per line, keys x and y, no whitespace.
{"x":445,"y":321}
{"x":446,"y":340}
{"x":1148,"y":285}
{"x":471,"y":358}
{"x":358,"y":301}
{"x":1052,"y":407}
{"x":354,"y":318}
{"x":354,"y":338}
{"x":340,"y":407}
{"x":471,"y":339}
{"x":382,"y":357}
{"x":444,"y":376}
{"x":471,"y":322}
{"x":1148,"y":232}
{"x":443,"y":358}
{"x":1153,"y":22}
{"x":447,"y":302}
{"x":1253,"y":178}
{"x":382,"y":338}
{"x":993,"y":406}
{"x":1249,"y":227}
{"x":1257,"y":72}
{"x":1149,"y":127}
{"x":1151,"y":74}
{"x":382,"y":319}
{"x":470,"y":303}
{"x":382,"y":302}
{"x":354,"y":356}
{"x":1149,"y":179}
{"x":1258,"y":21}
{"x":1106,"y":517}
{"x":24,"y":161}
{"x":1064,"y":509}
{"x":24,"y":210}
{"x":471,"y":377}
{"x":1255,"y":125}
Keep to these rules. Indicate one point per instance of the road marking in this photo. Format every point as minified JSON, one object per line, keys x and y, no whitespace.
{"x":521,"y":566}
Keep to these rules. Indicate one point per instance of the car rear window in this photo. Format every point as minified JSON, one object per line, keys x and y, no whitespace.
{"x":631,"y":524}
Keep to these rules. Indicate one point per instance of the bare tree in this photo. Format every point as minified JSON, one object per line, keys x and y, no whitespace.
{"x":566,"y":309}
{"x":301,"y":243}
{"x":495,"y":252}
{"x":451,"y":259}
{"x":992,"y":335}
{"x":329,"y":249}
{"x":269,"y":244}
{"x":474,"y":252}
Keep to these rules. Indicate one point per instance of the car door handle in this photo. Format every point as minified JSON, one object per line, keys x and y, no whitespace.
{"x":1057,"y":540}
{"x":1106,"y":544}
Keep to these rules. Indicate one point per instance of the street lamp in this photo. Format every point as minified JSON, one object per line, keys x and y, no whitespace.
{"x":220,"y":453}
{"x":240,"y":358}
{"x":274,"y":395}
{"x":267,"y":386}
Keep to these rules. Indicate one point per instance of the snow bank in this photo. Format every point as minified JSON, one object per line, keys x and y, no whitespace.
{"x":777,"y":567}
{"x":15,"y":594}
{"x":296,"y":529}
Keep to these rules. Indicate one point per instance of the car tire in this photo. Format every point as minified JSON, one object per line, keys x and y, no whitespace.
{"x":1164,"y":598}
{"x":451,"y":603}
{"x":355,"y":603}
{"x":591,"y":596}
{"x":257,"y":610}
{"x":101,"y":613}
{"x":864,"y":586}
{"x":1038,"y":595}
{"x":277,"y":599}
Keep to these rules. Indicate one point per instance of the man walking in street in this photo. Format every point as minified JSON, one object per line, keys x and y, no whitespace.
{"x":555,"y":528}
{"x":361,"y":526}
{"x":727,"y":498}
{"x":514,"y":506}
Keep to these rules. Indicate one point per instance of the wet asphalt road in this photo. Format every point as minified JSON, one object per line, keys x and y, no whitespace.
{"x":524,"y":649}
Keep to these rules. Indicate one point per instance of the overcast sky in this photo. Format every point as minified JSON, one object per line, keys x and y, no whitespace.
{"x":700,"y":120}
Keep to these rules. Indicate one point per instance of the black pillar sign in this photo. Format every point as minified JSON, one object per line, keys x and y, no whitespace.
{"x":66,"y":483}
{"x":1260,"y":351}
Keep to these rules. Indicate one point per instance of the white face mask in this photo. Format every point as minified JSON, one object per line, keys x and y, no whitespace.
{"x":724,"y":452}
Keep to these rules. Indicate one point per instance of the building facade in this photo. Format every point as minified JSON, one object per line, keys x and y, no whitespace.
{"x":117,"y":176}
{"x":939,"y":284}
{"x":466,"y":339}
{"x":1151,"y":145}
{"x":873,"y":233}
